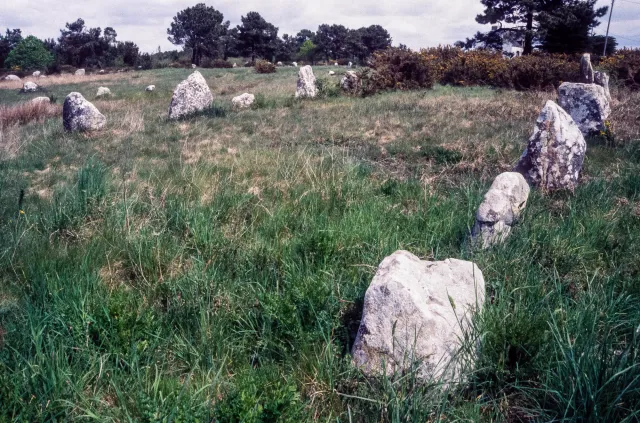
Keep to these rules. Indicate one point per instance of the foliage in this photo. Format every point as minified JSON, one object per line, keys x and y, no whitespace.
{"x":398,"y":68}
{"x":199,"y":28}
{"x":307,"y":50}
{"x":264,"y":66}
{"x":624,"y":67}
{"x":8,"y":41}
{"x":257,"y":37}
{"x":29,"y":54}
{"x":561,"y":26}
{"x":216,"y":63}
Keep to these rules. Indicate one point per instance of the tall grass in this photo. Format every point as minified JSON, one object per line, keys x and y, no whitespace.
{"x":147,"y":289}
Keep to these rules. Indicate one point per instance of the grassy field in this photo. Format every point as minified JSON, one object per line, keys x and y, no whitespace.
{"x":213,"y":269}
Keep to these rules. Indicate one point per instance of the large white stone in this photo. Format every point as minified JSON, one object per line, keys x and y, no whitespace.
{"x":150,"y":88}
{"x":243,"y":101}
{"x":306,"y":87}
{"x":587,"y":104}
{"x":413,"y":312}
{"x":103,"y":91}
{"x":80,"y":115}
{"x":29,"y":87}
{"x":500,"y":209}
{"x":12,"y":78}
{"x":555,"y":152}
{"x":41,"y":100}
{"x":191,"y":95}
{"x":80,"y":72}
{"x":37,"y":74}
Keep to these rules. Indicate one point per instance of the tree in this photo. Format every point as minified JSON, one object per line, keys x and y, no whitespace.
{"x":81,"y":46}
{"x":29,"y":54}
{"x":597,"y":44}
{"x":374,"y":38}
{"x":8,"y":42}
{"x":199,"y":28}
{"x":565,"y":28}
{"x":533,"y":20}
{"x":257,"y":37}
{"x":307,"y":51}
{"x":286,"y":48}
{"x":331,"y":41}
{"x":229,"y":43}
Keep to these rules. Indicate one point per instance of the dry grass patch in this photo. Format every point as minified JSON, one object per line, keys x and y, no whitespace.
{"x":27,"y":112}
{"x":140,"y":78}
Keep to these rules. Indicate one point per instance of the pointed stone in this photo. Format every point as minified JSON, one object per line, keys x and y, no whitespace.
{"x":555,"y":153}
{"x":190,"y":96}
{"x":78,"y":114}
{"x":306,"y":87}
{"x":586,"y":70}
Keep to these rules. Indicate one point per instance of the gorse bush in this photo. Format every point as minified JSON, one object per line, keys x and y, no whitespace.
{"x":397,"y":68}
{"x":624,"y":67}
{"x":264,"y":66}
{"x":29,"y":54}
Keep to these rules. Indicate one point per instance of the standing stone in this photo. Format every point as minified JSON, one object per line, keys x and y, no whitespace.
{"x":413,"y":312}
{"x":235,"y":65}
{"x":80,"y":115}
{"x":150,"y":88}
{"x":193,"y":66}
{"x":306,"y":83}
{"x":500,"y":209}
{"x":12,"y":78}
{"x":586,"y":70}
{"x":29,"y":87}
{"x":602,"y":79}
{"x":101,"y":71}
{"x":555,"y":153}
{"x":295,"y":64}
{"x":243,"y":101}
{"x":279,"y":64}
{"x":349,"y":82}
{"x":191,"y":95}
{"x":80,"y":72}
{"x":587,"y":104}
{"x":332,"y":73}
{"x":336,"y":64}
{"x":350,"y":65}
{"x":103,"y":91}
{"x":37,"y":74}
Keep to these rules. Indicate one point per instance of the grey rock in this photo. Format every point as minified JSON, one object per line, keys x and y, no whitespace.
{"x":29,"y":87}
{"x":587,"y":104}
{"x":555,"y":152}
{"x":103,"y":91}
{"x":295,"y":64}
{"x":150,"y":88}
{"x":350,"y":65}
{"x":306,"y":87}
{"x":331,"y":73}
{"x":349,"y":82}
{"x":602,"y":79}
{"x":414,"y":311}
{"x":101,"y":71}
{"x":243,"y":101}
{"x":193,"y":66}
{"x":191,"y":95}
{"x":80,"y":115}
{"x":37,"y":74}
{"x":279,"y":64}
{"x":12,"y":78}
{"x":80,"y":72}
{"x":500,"y":209}
{"x":586,"y":70}
{"x":235,"y":65}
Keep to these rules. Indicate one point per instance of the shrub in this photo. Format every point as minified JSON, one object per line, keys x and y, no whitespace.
{"x":398,"y":68}
{"x":264,"y":66}
{"x":343,"y":62}
{"x":327,"y":87}
{"x":623,"y":67}
{"x":215,"y":63}
{"x":29,"y":54}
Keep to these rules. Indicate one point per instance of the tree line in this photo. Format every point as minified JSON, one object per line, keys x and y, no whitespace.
{"x":552,"y":26}
{"x":203,"y":29}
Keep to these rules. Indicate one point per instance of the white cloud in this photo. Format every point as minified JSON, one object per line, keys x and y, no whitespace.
{"x":411,"y":22}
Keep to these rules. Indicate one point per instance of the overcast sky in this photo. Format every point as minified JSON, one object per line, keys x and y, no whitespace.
{"x":411,"y":22}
